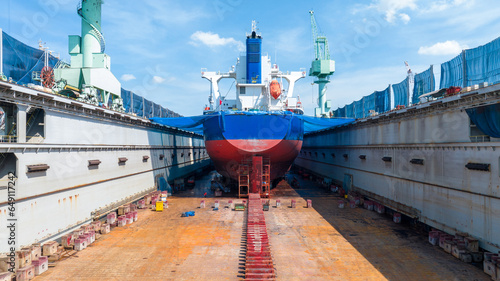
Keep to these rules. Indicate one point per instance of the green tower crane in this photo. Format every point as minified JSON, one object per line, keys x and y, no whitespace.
{"x":321,"y":67}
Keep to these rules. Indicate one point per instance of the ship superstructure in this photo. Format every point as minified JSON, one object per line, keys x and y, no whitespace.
{"x":259,"y":83}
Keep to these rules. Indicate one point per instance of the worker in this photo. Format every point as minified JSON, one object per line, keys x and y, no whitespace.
{"x":205,"y":195}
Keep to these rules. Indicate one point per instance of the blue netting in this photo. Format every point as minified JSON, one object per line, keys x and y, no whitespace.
{"x":452,"y":73}
{"x":341,"y":112}
{"x":20,"y":60}
{"x":483,"y":64}
{"x":368,"y":104}
{"x":358,"y":109}
{"x":424,"y":83}
{"x":156,"y":110}
{"x":148,"y":110}
{"x":127,"y":99}
{"x":349,"y":110}
{"x":383,"y":100}
{"x":401,"y":93}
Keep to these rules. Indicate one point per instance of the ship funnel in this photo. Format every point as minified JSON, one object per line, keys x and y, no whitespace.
{"x":254,"y":65}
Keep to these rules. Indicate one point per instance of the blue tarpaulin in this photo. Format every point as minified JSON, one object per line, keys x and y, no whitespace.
{"x":424,"y":83}
{"x":487,"y":119}
{"x":312,"y":124}
{"x":401,"y":93}
{"x":195,"y":123}
{"x":189,"y":123}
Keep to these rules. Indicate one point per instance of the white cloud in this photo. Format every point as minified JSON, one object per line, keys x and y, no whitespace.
{"x":127,"y":77}
{"x":158,"y":79}
{"x":214,"y":40}
{"x":442,"y":5}
{"x":442,"y":48}
{"x":404,"y":17}
{"x":391,"y":9}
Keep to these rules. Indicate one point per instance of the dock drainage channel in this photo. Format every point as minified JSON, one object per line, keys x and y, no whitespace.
{"x":258,"y":261}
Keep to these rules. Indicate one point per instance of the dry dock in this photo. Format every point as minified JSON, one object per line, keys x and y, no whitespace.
{"x":319,"y":243}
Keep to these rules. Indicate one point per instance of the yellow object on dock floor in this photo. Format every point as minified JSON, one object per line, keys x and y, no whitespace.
{"x":159,"y":206}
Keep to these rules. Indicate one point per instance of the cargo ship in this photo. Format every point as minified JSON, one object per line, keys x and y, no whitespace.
{"x":263,"y":121}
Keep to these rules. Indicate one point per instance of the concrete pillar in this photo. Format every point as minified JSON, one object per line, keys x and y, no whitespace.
{"x":21,"y":123}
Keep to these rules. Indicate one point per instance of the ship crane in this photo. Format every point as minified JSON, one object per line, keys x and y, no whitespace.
{"x":410,"y":82}
{"x":321,"y":68}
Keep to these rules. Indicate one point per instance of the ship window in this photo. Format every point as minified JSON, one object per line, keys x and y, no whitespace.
{"x":253,"y":47}
{"x":242,"y":90}
{"x":253,"y":58}
{"x":145,"y":158}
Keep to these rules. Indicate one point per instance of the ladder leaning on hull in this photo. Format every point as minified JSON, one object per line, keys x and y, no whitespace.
{"x":254,"y":175}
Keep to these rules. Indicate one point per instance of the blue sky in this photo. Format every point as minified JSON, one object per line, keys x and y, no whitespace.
{"x":158,"y":47}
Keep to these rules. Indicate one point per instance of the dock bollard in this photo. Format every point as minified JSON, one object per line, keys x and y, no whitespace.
{"x":202,"y":204}
{"x":309,"y":203}
{"x":278,"y":203}
{"x":353,"y":204}
{"x":231,"y":205}
{"x":216,"y":205}
{"x":396,"y":218}
{"x":380,"y":209}
{"x":292,"y":203}
{"x":369,"y":205}
{"x":341,"y":204}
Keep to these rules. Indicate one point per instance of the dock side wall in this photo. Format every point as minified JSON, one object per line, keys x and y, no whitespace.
{"x":442,"y":192}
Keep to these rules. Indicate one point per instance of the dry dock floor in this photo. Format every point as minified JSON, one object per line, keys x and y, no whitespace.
{"x":319,"y":243}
